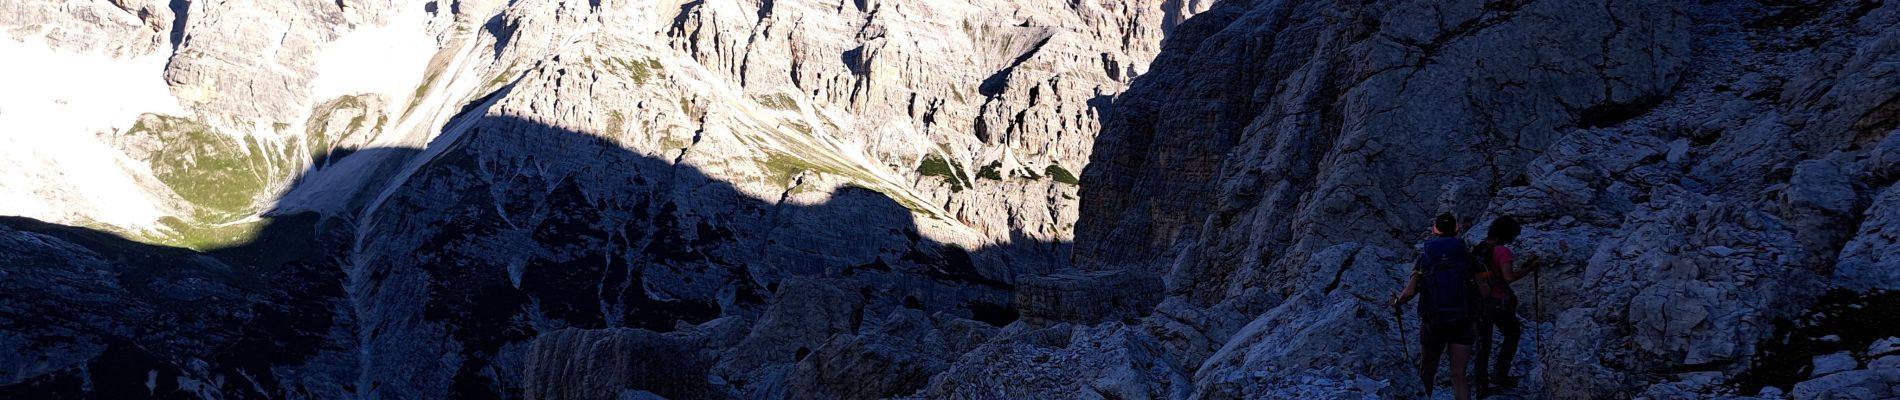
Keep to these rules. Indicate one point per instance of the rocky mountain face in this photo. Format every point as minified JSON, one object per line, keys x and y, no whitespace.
{"x":734,"y":181}
{"x":934,"y":199}
{"x":1690,"y":173}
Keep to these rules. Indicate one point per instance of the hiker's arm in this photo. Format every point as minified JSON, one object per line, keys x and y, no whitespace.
{"x":1411,"y":289}
{"x":1520,"y":268}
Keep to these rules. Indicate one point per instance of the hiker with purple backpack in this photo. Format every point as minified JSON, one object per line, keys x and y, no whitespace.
{"x":1448,"y":303}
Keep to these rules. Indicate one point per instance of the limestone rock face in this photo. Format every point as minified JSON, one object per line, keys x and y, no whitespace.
{"x":254,"y":63}
{"x":119,"y":28}
{"x":1689,"y":174}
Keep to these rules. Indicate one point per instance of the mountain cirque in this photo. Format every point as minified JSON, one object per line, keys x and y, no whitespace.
{"x":934,"y":199}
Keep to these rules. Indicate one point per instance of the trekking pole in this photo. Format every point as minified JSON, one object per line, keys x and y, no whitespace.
{"x":1537,"y":306}
{"x":1405,"y":342}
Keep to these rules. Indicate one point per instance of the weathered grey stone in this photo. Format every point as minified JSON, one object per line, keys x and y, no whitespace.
{"x":1884,"y":363}
{"x":1087,"y":297}
{"x":1866,"y":261}
{"x":1854,"y":385}
{"x":1831,"y":363}
{"x":1106,"y":361}
{"x":1885,"y":346}
{"x":1819,"y":203}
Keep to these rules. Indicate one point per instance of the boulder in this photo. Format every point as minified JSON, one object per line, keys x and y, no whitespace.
{"x":1820,"y":205}
{"x":1884,"y":363}
{"x":1850,"y":385}
{"x":1885,"y":346}
{"x":1831,"y":363}
{"x":1867,"y":262}
{"x":1106,"y":361}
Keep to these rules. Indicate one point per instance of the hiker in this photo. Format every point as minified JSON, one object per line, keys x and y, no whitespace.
{"x":1447,"y":306}
{"x":1498,"y":307}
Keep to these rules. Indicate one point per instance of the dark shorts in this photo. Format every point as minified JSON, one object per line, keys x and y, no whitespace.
{"x":1442,"y":334}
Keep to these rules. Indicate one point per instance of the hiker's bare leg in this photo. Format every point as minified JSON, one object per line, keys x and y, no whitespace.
{"x":1484,"y":347}
{"x":1428,"y":364}
{"x":1513,"y":331}
{"x":1459,"y":355}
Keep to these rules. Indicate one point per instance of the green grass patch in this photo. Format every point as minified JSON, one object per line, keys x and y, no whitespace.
{"x":616,"y":122}
{"x":778,"y":101}
{"x":782,"y":168}
{"x":669,"y":142}
{"x":1060,"y":175}
{"x":640,"y":71}
{"x":799,"y":126}
{"x":319,"y":136}
{"x":950,"y":170}
{"x":201,"y":236}
{"x":422,"y":89}
{"x":686,"y":106}
{"x":992,"y":171}
{"x":222,"y":176}
{"x":437,"y":63}
{"x":503,"y":77}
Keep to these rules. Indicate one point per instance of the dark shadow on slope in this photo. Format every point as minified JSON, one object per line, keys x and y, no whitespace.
{"x":180,"y":15}
{"x":1841,"y":321}
{"x":1135,"y":202}
{"x":514,"y":229}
